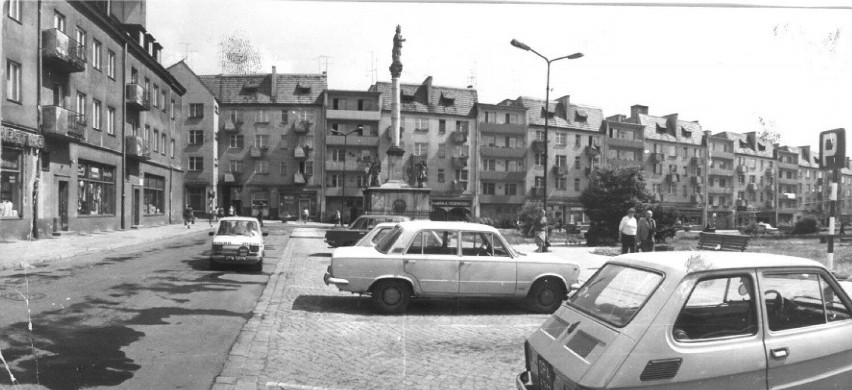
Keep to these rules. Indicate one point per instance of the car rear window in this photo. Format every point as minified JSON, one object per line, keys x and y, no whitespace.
{"x":386,"y":243}
{"x":616,"y":293}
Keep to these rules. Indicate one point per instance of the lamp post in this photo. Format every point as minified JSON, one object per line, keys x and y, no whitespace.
{"x":345,"y":150}
{"x":522,"y":46}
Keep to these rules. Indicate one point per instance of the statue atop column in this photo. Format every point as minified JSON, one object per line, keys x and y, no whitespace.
{"x":396,"y":65}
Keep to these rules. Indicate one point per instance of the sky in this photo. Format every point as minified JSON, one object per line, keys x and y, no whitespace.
{"x":727,"y":67}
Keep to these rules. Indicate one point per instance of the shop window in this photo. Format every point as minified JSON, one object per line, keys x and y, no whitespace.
{"x":96,"y":191}
{"x":10,"y":187}
{"x":155,"y":198}
{"x":195,"y":198}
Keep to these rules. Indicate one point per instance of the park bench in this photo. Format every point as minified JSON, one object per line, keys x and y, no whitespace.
{"x":726,"y":242}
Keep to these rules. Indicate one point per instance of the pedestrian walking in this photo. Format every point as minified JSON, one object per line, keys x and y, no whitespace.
{"x":187,"y":216}
{"x":220,"y":212}
{"x":337,"y":219}
{"x":211,"y":213}
{"x":540,"y":229}
{"x":231,"y":211}
{"x":645,"y":230}
{"x":627,"y":232}
{"x":306,"y":214}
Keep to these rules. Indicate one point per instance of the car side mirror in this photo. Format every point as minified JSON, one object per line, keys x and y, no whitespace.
{"x":210,"y":233}
{"x":265,"y":234}
{"x":572,"y":289}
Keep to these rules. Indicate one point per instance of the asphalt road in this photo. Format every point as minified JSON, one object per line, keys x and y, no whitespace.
{"x":141,"y":317}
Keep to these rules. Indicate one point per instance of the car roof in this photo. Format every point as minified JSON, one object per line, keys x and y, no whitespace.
{"x":447,"y":225}
{"x":238,"y":219}
{"x":395,"y":217}
{"x":682,"y":263}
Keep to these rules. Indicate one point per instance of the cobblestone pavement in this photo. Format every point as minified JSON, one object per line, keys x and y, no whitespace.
{"x":306,"y":335}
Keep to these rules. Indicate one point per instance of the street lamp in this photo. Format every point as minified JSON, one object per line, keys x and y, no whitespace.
{"x":523,"y":46}
{"x":345,"y":150}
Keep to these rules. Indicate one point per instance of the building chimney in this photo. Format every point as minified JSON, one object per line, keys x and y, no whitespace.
{"x":671,"y":123}
{"x":427,"y":84}
{"x":273,"y":84}
{"x":565,"y":102}
{"x":806,"y":152}
{"x":637,"y":109}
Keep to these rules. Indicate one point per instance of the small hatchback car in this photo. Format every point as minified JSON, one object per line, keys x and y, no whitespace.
{"x":697,"y":320}
{"x":238,"y":241}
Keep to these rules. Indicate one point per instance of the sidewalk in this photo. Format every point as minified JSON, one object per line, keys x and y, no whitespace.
{"x":18,"y":253}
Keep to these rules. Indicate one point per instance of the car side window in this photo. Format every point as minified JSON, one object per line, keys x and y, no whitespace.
{"x":380,"y":235}
{"x":416,"y":247}
{"x":794,"y":300}
{"x":440,"y":242}
{"x":717,"y":307}
{"x":836,"y":309}
{"x":482,"y":244}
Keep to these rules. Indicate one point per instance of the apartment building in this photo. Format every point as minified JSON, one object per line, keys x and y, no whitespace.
{"x":436,"y":124}
{"x":267,"y":131}
{"x":107,"y":159}
{"x":754,"y":186}
{"x":200,"y":140}
{"x":350,"y":147}
{"x":501,"y":132}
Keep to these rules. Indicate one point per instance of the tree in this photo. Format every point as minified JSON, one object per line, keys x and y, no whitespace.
{"x":238,"y":54}
{"x":611,"y":191}
{"x":530,"y":212}
{"x":769,"y":131}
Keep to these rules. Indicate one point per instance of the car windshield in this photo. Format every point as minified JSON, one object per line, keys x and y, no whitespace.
{"x":385,"y":244}
{"x":616,"y":293}
{"x":238,"y":228}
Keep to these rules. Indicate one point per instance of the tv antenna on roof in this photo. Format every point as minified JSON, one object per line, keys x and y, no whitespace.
{"x":322,"y":63}
{"x":187,"y":54}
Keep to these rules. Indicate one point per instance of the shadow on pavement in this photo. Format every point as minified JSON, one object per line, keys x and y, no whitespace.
{"x":322,"y":254}
{"x":362,"y":305}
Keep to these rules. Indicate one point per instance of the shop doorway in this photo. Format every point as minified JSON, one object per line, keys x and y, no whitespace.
{"x":63,"y":205}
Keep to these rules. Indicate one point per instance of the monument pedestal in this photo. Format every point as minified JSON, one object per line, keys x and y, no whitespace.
{"x":396,"y":197}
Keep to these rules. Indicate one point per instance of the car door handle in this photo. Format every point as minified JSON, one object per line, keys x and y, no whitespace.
{"x":779,"y":353}
{"x":409,"y":261}
{"x":462,"y":262}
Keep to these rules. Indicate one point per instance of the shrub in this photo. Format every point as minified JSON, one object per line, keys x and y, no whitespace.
{"x":806,"y":226}
{"x":751,"y":228}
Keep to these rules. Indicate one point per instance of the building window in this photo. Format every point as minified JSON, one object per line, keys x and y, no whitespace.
{"x":578,"y":140}
{"x":81,"y":108}
{"x":337,"y":155}
{"x":561,"y":138}
{"x":490,"y":117}
{"x":156,"y":146}
{"x":261,"y":141}
{"x":561,"y":183}
{"x":96,"y":114}
{"x":97,"y":49}
{"x":163,"y":138}
{"x":511,"y":118}
{"x":421,"y":149}
{"x":489,"y":165}
{"x":462,"y":178}
{"x":488,"y":188}
{"x":156,"y":97}
{"x":282,"y":168}
{"x":13,"y":81}
{"x":172,"y":109}
{"x":172,"y":148}
{"x":235,"y":141}
{"x":510,"y":189}
{"x":441,"y":177}
{"x":59,"y":21}
{"x":236,"y":166}
{"x":196,"y":163}
{"x":261,"y":166}
{"x":111,"y":64}
{"x":285,"y":118}
{"x":539,"y":135}
{"x":110,"y":121}
{"x":334,"y":180}
{"x":442,"y":150}
{"x":15,"y":9}
{"x":539,"y":182}
{"x":196,"y":137}
{"x":421,"y":124}
{"x":96,"y":191}
{"x":577,"y":185}
{"x":11,"y":188}
{"x":561,"y":161}
{"x":442,"y":126}
{"x":155,"y":194}
{"x":196,"y":110}
{"x":539,"y":159}
{"x":577,"y":162}
{"x":462,"y":126}
{"x":81,"y":38}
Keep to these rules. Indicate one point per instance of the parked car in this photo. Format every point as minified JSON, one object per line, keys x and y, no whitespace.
{"x":348,"y":236}
{"x":697,"y":320}
{"x":449,"y":259}
{"x":237,"y":241}
{"x":374,"y":236}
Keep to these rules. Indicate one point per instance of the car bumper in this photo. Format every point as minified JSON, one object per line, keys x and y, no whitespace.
{"x":523,"y":381}
{"x":328,"y":279}
{"x":234,"y":259}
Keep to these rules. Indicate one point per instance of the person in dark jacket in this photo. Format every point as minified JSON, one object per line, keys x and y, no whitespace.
{"x":647,"y":226}
{"x":187,"y":216}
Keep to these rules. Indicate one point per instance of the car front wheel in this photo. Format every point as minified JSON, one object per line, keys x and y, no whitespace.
{"x":392,"y":296}
{"x":546,"y":295}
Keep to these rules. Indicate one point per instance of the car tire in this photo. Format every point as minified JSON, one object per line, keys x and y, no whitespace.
{"x":546,"y":295}
{"x":392,"y":296}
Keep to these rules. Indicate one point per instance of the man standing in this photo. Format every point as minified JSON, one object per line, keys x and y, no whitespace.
{"x":338,"y":219}
{"x":627,"y":232}
{"x":645,"y":230}
{"x":306,"y":214}
{"x":188,"y":216}
{"x":540,"y":229}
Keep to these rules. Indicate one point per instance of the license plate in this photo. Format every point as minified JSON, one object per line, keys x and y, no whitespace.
{"x":238,"y":258}
{"x":545,"y":374}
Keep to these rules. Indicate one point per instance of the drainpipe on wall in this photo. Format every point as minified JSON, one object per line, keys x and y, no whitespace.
{"x":124,"y":135}
{"x":38,"y":123}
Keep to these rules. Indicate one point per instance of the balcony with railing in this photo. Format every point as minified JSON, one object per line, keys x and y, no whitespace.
{"x":657,"y":158}
{"x":696,"y":198}
{"x":136,"y":147}
{"x":351,"y":165}
{"x":720,"y":190}
{"x":457,"y":187}
{"x":536,"y":192}
{"x":354,"y":140}
{"x":502,"y":128}
{"x":673,"y":178}
{"x":255,"y":152}
{"x":137,"y":97}
{"x":560,"y":170}
{"x":593,"y":150}
{"x":697,"y":180}
{"x":232,"y":126}
{"x":494,"y":151}
{"x":459,"y":136}
{"x":354,"y":115}
{"x":460,"y":162}
{"x":502,"y":199}
{"x":59,"y":122}
{"x":538,"y":146}
{"x":300,"y":153}
{"x":716,"y":171}
{"x":751,"y":187}
{"x":351,"y":191}
{"x":299,"y":178}
{"x":63,"y":53}
{"x":502,"y":176}
{"x":696,"y":161}
{"x":623,"y":143}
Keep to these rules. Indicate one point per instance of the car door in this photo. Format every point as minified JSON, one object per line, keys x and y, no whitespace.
{"x":486,"y":268}
{"x":808,"y":343}
{"x":432,"y":260}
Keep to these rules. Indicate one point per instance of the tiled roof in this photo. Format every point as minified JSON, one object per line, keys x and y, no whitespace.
{"x":429,"y":99}
{"x":184,"y":65}
{"x":660,"y":129}
{"x":575,"y":116}
{"x":255,"y":89}
{"x":747,"y":144}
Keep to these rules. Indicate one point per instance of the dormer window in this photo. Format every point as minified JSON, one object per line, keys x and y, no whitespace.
{"x":685,"y":133}
{"x":761,"y":147}
{"x":744,"y":145}
{"x":661,"y":129}
{"x":303,"y":89}
{"x":550,"y":114}
{"x":406,"y":97}
{"x":580,"y":116}
{"x":447,"y":99}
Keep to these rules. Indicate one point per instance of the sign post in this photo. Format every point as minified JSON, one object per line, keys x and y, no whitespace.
{"x":832,"y":148}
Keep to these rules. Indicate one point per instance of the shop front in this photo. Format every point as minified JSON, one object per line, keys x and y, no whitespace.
{"x":19,"y":165}
{"x":451,"y":209}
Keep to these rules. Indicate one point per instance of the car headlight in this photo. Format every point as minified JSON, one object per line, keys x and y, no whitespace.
{"x":254,"y":248}
{"x":217,"y":247}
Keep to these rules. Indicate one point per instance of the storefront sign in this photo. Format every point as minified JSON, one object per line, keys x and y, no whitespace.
{"x":451,"y":203}
{"x":21,"y":138}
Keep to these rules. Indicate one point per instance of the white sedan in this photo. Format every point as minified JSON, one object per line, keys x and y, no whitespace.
{"x":449,"y":259}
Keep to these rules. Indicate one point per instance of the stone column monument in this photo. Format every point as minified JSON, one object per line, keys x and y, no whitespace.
{"x":396,"y":196}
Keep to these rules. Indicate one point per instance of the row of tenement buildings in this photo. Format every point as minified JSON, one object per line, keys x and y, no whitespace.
{"x":98,"y":135}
